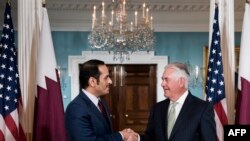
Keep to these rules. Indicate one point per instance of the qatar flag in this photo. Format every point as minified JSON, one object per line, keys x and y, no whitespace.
{"x":243,"y":97}
{"x":49,"y":112}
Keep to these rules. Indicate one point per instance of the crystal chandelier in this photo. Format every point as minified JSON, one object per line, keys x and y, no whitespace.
{"x":119,"y":35}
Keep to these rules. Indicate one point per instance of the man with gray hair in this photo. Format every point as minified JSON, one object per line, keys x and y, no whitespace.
{"x":181,"y":116}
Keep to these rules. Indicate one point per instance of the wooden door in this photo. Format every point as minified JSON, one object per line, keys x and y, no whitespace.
{"x":132,"y":95}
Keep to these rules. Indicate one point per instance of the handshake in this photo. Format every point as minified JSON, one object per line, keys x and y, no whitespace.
{"x":129,"y":135}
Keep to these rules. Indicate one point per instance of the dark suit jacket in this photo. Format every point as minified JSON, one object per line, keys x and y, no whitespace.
{"x":195,"y":122}
{"x":84,"y":122}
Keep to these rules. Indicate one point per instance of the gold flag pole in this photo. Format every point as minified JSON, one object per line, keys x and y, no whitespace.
{"x":216,"y":2}
{"x":44,"y":3}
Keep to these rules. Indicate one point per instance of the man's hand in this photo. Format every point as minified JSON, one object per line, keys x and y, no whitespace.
{"x":129,"y":135}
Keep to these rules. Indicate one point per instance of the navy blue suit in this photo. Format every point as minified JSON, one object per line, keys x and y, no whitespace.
{"x":194,"y":123}
{"x":84,"y":122}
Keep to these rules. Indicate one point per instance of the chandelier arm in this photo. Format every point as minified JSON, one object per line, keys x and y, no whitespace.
{"x":119,"y":35}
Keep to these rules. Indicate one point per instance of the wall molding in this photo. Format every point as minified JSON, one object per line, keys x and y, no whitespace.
{"x":169,"y":16}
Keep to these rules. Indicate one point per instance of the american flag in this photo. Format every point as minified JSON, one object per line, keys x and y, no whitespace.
{"x":215,"y":86}
{"x":10,"y":95}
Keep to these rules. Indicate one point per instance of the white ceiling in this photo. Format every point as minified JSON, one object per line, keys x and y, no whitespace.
{"x":169,"y":15}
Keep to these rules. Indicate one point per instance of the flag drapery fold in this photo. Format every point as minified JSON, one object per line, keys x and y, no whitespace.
{"x":10,"y":94}
{"x":215,"y":85}
{"x":49,"y":112}
{"x":243,"y":97}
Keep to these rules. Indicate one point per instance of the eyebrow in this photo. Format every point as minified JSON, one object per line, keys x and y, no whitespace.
{"x":164,"y":77}
{"x":107,"y":75}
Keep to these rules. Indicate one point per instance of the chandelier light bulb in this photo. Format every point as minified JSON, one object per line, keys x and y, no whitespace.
{"x":122,"y":37}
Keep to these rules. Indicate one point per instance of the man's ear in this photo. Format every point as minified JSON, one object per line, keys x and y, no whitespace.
{"x":182,"y":82}
{"x":92,"y":81}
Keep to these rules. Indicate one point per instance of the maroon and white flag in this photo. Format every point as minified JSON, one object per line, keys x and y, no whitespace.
{"x":49,"y":112}
{"x":243,"y":97}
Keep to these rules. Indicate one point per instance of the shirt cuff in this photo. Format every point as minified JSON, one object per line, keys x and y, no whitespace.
{"x":122,"y":136}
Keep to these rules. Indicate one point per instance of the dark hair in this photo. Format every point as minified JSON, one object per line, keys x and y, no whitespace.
{"x":87,"y":70}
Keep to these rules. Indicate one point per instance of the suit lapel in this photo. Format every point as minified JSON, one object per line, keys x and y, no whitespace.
{"x":183,"y":114}
{"x":96,"y":111}
{"x":164,"y":117}
{"x":108,"y":114}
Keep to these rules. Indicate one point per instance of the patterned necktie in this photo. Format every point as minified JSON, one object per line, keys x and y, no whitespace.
{"x":171,"y":118}
{"x":103,"y":111}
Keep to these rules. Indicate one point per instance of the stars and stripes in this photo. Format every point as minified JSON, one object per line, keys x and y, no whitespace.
{"x":10,"y":94}
{"x":215,"y":87}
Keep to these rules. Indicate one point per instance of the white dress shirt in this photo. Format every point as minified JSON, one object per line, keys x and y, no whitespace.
{"x":179,"y":104}
{"x":92,"y":98}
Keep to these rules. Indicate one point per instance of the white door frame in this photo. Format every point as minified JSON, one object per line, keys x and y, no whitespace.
{"x":141,"y":57}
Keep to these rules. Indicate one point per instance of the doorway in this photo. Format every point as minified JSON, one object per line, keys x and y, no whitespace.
{"x":140,"y":57}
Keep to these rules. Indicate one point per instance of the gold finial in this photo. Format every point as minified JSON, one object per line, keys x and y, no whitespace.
{"x":44,"y":3}
{"x":216,"y":2}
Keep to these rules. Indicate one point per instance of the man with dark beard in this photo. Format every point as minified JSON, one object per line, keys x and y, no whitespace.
{"x":87,"y":115}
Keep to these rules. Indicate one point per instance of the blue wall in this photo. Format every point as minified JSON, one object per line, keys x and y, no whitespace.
{"x":178,"y":46}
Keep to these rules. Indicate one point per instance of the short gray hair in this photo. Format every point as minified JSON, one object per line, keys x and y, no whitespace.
{"x":181,"y":71}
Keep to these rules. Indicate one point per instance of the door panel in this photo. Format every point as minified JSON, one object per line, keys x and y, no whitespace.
{"x":132,"y":95}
